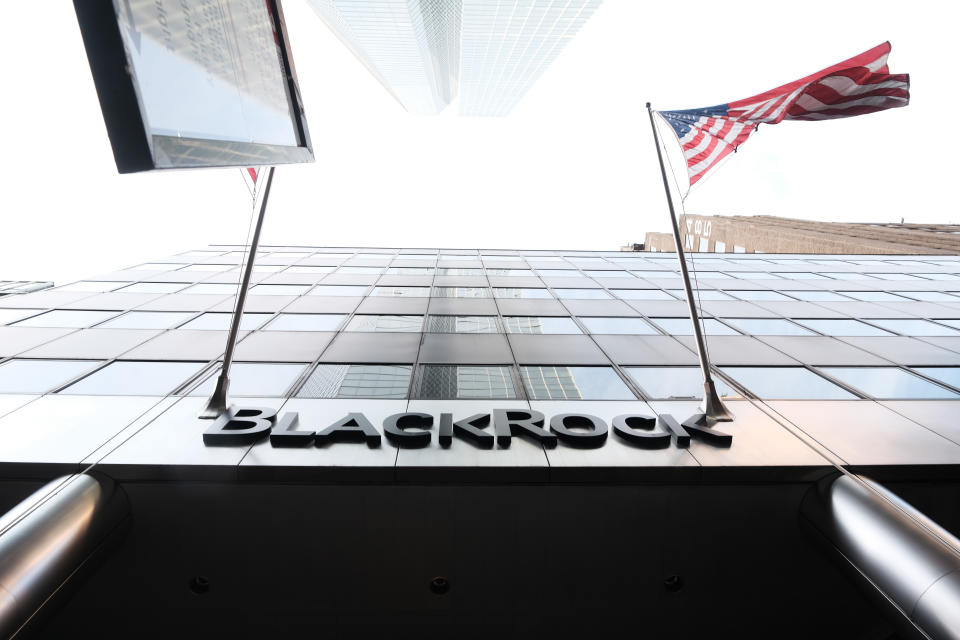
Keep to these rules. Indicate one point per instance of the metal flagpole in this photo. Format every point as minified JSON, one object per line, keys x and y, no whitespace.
{"x":217,"y":403}
{"x":713,"y":408}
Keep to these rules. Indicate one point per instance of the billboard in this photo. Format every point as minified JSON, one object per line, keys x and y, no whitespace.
{"x":195,"y":83}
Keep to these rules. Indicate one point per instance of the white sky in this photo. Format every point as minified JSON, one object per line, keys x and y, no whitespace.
{"x":572,"y":167}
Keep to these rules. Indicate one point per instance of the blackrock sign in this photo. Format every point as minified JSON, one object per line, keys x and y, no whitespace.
{"x":247,"y":425}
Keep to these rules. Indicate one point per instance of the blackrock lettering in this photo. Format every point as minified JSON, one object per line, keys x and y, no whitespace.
{"x":411,"y":430}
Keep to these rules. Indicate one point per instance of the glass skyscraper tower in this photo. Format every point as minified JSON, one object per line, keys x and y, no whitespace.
{"x":423,"y":51}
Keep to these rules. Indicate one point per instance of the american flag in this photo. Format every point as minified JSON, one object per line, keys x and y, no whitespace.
{"x":853,"y":87}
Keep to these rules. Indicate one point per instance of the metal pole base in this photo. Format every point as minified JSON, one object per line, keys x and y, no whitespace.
{"x":712,"y":406}
{"x":217,"y":403}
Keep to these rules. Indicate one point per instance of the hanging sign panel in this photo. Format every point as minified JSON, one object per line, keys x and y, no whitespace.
{"x":195,"y":83}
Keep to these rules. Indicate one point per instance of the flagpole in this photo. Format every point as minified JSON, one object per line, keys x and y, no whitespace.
{"x":218,"y":401}
{"x":713,"y":408}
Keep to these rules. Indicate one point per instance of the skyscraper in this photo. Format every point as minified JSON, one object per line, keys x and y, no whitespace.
{"x":422,"y":51}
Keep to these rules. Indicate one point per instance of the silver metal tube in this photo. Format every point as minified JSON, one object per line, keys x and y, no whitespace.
{"x":903,"y":557}
{"x":47,"y":537}
{"x":713,"y":407}
{"x":218,"y":401}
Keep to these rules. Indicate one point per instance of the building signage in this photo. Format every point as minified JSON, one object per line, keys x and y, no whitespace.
{"x":247,"y":425}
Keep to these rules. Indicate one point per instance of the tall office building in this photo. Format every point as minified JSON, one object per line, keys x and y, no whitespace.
{"x":422,"y":51}
{"x":411,"y":46}
{"x":617,"y":527}
{"x":772,"y":234}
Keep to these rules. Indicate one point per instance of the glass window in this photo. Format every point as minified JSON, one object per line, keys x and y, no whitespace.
{"x":952,"y":323}
{"x":67,"y":318}
{"x":703,"y":275}
{"x":657,"y":274}
{"x":674,"y":383}
{"x":501,"y":258}
{"x":702,"y":294}
{"x":846,"y":275}
{"x":278,"y":289}
{"x":941,"y":276}
{"x":221,"y":321}
{"x":927,"y":296}
{"x":799,"y":275}
{"x":459,"y":382}
{"x":339,"y":290}
{"x":888,"y":382}
{"x":787,"y":383}
{"x":209,"y":288}
{"x":452,"y":256}
{"x":894,"y":276}
{"x":40,"y":376}
{"x":509,"y":272}
{"x":586,"y":261}
{"x":462,"y":324}
{"x":357,"y":381}
{"x":92,"y":286}
{"x":123,"y":378}
{"x":153,"y":287}
{"x":582,"y":294}
{"x":309,"y":269}
{"x":949,"y":375}
{"x":154,"y":266}
{"x":683,"y":327}
{"x":753,"y":275}
{"x":818,"y":296}
{"x":459,"y":271}
{"x":544,"y":259}
{"x":560,"y":273}
{"x":11,"y":315}
{"x":768,"y":327}
{"x":759,"y":295}
{"x":540,"y":324}
{"x":209,"y":267}
{"x":609,"y":274}
{"x":461,"y":292}
{"x":366,"y":271}
{"x":385,"y":323}
{"x":505,"y":292}
{"x":703,"y":245}
{"x":842,"y":327}
{"x":402,"y":292}
{"x":630,"y":326}
{"x":306,"y":322}
{"x":911,"y":327}
{"x":148,"y":320}
{"x":574,"y":383}
{"x":719,"y":247}
{"x":410,"y":271}
{"x":266,"y":379}
{"x":641,"y":294}
{"x":874,"y":296}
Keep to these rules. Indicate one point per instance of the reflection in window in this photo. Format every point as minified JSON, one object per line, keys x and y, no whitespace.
{"x":768,"y":327}
{"x":641,"y":294}
{"x":888,"y":383}
{"x":148,"y":320}
{"x":559,"y":273}
{"x":221,"y":321}
{"x":539,"y":325}
{"x":916,"y":327}
{"x":758,"y":295}
{"x":40,"y":376}
{"x":683,"y":327}
{"x":894,"y":276}
{"x":949,"y":375}
{"x":509,"y":272}
{"x":817,"y":296}
{"x":786,"y":383}
{"x":675,"y":383}
{"x":874,"y":296}
{"x":461,"y":292}
{"x":462,"y":324}
{"x":799,"y":275}
{"x":504,"y":292}
{"x":410,"y":271}
{"x":609,"y":274}
{"x":846,"y":275}
{"x":278,"y":289}
{"x":402,"y":292}
{"x":267,"y":379}
{"x":630,"y":326}
{"x":124,"y":378}
{"x":574,"y":383}
{"x":357,"y":381}
{"x":842,"y":327}
{"x":362,"y":271}
{"x":306,"y":322}
{"x":927,"y":296}
{"x":459,"y":271}
{"x":212,"y":288}
{"x":66,"y":318}
{"x":310,"y":269}
{"x":385,"y":323}
{"x":92,"y":286}
{"x":339,"y":290}
{"x":582,"y":294}
{"x":459,"y":382}
{"x":702,"y":294}
{"x":657,"y":274}
{"x":12,"y":315}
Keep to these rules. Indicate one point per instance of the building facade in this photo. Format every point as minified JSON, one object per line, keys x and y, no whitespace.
{"x":426,"y":51}
{"x":536,"y":496}
{"x":772,"y":234}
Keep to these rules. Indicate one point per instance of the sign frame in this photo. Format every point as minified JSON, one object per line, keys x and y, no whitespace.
{"x":134,"y":146}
